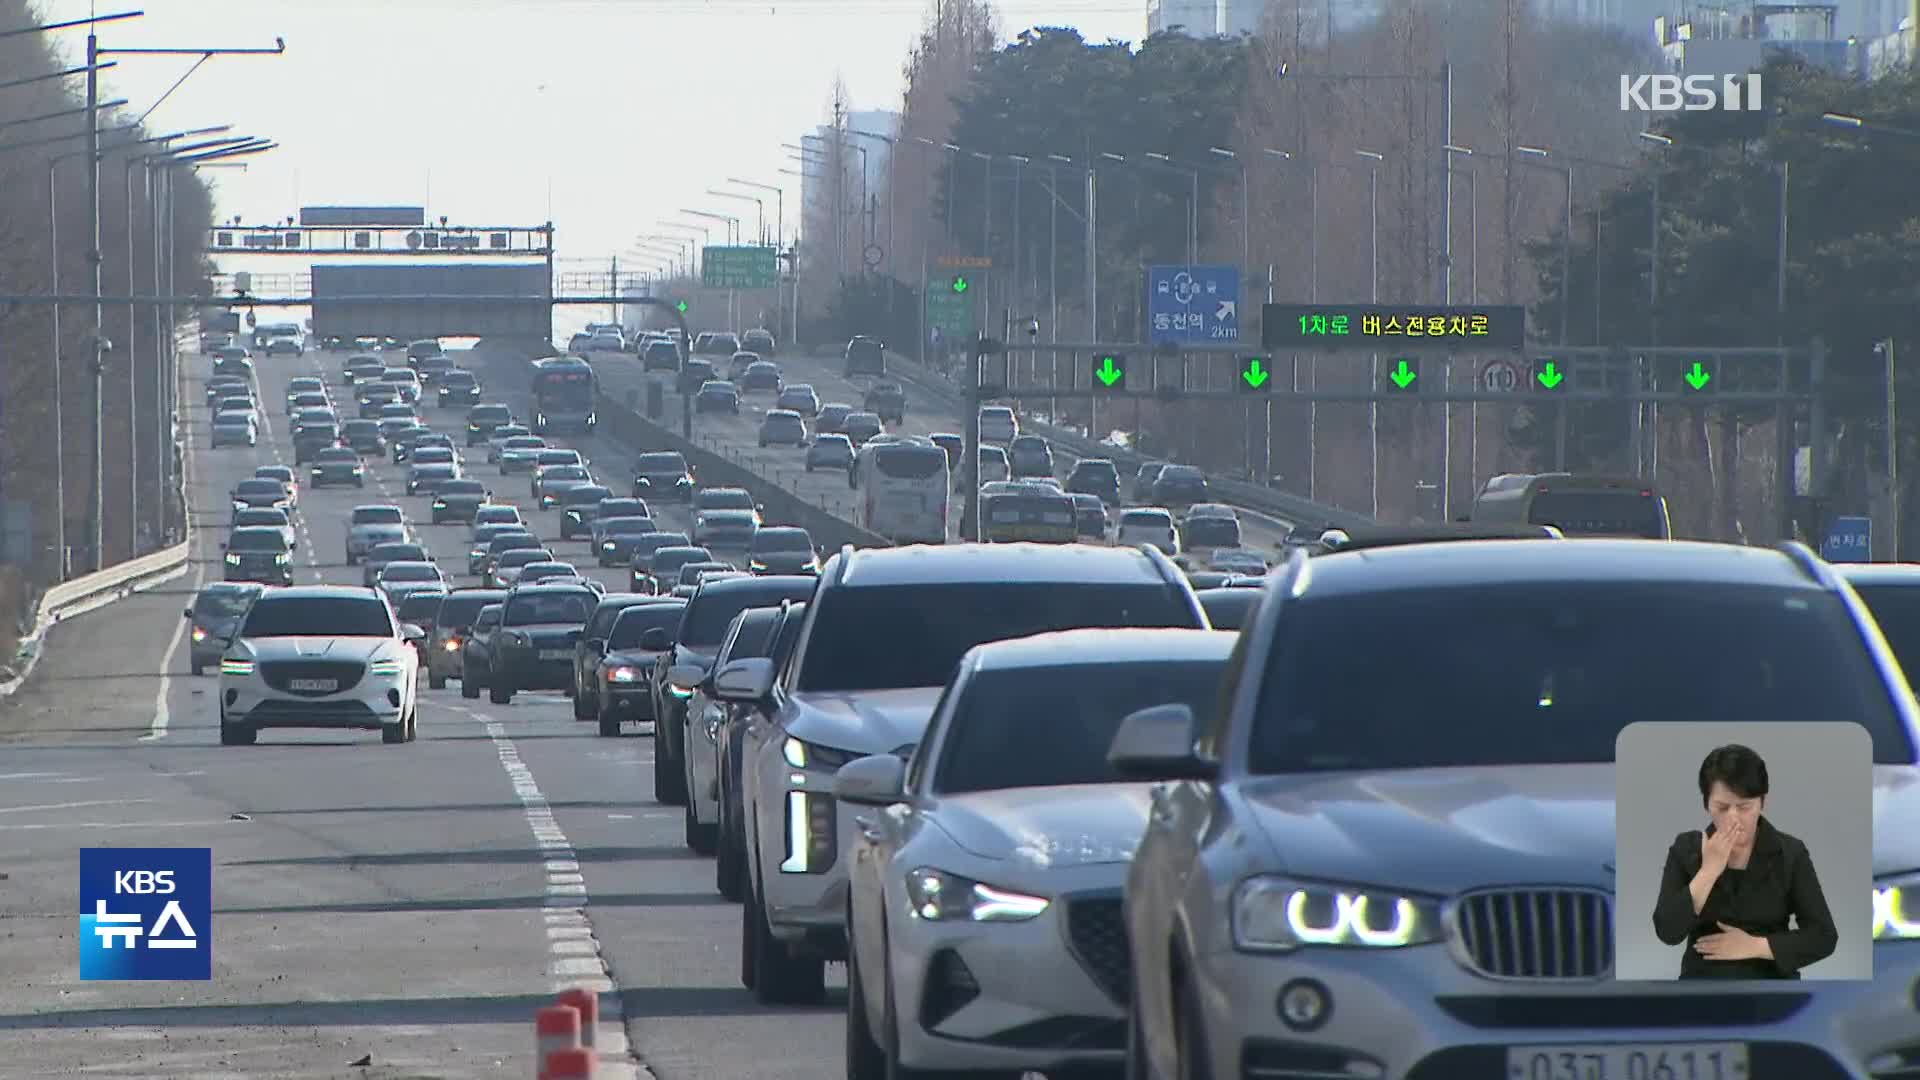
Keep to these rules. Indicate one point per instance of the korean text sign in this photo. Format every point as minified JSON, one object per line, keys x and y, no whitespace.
{"x":1393,"y":327}
{"x":146,"y":914}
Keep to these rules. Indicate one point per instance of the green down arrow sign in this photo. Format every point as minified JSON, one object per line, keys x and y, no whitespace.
{"x":1255,"y":374}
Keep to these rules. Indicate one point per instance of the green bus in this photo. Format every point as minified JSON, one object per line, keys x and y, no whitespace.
{"x":1576,"y":504}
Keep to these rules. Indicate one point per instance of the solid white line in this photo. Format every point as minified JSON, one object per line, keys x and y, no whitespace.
{"x":578,"y":965}
{"x":72,"y":805}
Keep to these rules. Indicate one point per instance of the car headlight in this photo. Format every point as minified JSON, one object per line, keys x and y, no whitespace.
{"x":936,"y":895}
{"x":439,"y":504}
{"x":316,"y":470}
{"x":281,"y":558}
{"x":756,"y":564}
{"x":609,"y":546}
{"x":452,"y":644}
{"x":625,"y":673}
{"x":805,"y":755}
{"x":384,"y":668}
{"x":236,"y":667}
{"x":199,"y":635}
{"x":238,"y":505}
{"x":1276,"y":915}
{"x":1896,"y":909}
{"x":232,"y":559}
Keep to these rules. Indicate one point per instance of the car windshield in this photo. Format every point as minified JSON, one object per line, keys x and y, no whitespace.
{"x":401,"y":571}
{"x":419,"y":608}
{"x":1599,"y":513}
{"x":1213,"y":532}
{"x":668,"y":561}
{"x":654,"y":541}
{"x":1180,"y":475}
{"x":1896,"y":607}
{"x":432,"y":471}
{"x":461,"y":608}
{"x":498,"y":515}
{"x":563,"y":472}
{"x":946,"y":620}
{"x":498,"y":413}
{"x":378,"y":515}
{"x":558,"y":457}
{"x":524,"y":442}
{"x":586,"y":495}
{"x":515,"y":540}
{"x":1062,"y":717}
{"x":318,"y":617}
{"x":259,"y":538}
{"x":524,"y":556}
{"x":261,"y":487}
{"x":782,"y":541}
{"x":463,"y":487}
{"x":725,"y":499}
{"x":432,"y":455}
{"x":634,"y":622}
{"x":223,"y":603}
{"x":559,"y":606}
{"x":627,"y":526}
{"x":260,"y":517}
{"x":710,"y":613}
{"x":1530,"y":674}
{"x":386,"y":553}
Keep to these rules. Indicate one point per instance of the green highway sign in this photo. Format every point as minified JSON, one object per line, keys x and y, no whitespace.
{"x":952,"y":300}
{"x":1110,"y":371}
{"x":739,"y":268}
{"x":1256,"y":374}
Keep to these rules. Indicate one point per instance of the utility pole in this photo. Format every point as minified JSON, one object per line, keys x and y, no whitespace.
{"x":1893,"y":460}
{"x":96,"y":343}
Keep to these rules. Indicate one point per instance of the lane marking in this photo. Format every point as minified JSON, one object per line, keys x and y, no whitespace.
{"x":573,"y":950}
{"x":72,"y":805}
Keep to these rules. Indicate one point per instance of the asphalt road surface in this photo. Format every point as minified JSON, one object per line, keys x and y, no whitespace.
{"x":411,"y":904}
{"x":738,"y":437}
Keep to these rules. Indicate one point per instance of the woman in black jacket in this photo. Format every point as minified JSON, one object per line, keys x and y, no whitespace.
{"x":1729,"y":891}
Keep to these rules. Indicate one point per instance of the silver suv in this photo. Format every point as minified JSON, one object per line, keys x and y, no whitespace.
{"x":1346,"y":874}
{"x":373,"y":525}
{"x":840,"y":696}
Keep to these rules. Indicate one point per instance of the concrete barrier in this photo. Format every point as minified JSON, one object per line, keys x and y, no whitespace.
{"x":778,"y":505}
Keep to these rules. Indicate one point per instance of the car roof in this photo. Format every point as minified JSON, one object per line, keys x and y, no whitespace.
{"x":1879,"y":573}
{"x":320,"y":592}
{"x":626,"y":599}
{"x":1090,"y":647}
{"x":542,"y":588}
{"x":399,"y":544}
{"x":231,"y":586}
{"x":1530,"y":562}
{"x":923,"y":564}
{"x":375,"y":506}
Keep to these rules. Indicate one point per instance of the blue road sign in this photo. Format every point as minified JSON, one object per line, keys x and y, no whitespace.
{"x":1849,"y":539}
{"x":1193,"y":304}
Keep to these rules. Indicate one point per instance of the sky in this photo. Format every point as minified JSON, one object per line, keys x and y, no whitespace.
{"x":604,"y":116}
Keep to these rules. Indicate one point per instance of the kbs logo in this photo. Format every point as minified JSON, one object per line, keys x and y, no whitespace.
{"x":146,"y":913}
{"x":1690,"y":93}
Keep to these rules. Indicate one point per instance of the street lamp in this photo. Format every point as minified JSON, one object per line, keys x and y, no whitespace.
{"x":779,"y":206}
{"x":732,"y":223}
{"x":759,"y":210}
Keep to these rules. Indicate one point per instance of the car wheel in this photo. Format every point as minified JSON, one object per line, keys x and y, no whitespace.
{"x":666,"y":774}
{"x":700,"y":839}
{"x":413,"y":724}
{"x":748,"y":924}
{"x":866,"y":1060}
{"x":500,"y":695}
{"x":583,"y":707}
{"x":728,"y":868}
{"x":1190,"y":1037}
{"x":436,"y":682}
{"x":779,"y":977}
{"x":609,"y":726}
{"x":393,"y":734}
{"x":1135,"y":1066}
{"x":237,"y":734}
{"x":352,"y":559}
{"x":199,"y":668}
{"x":469,"y":688}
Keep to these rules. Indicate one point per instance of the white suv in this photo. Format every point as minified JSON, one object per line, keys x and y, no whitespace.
{"x":320,"y":656}
{"x":372,"y":525}
{"x":837,"y":697}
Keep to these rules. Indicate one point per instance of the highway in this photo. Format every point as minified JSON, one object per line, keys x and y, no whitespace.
{"x":737,"y":437}
{"x":388,"y":903}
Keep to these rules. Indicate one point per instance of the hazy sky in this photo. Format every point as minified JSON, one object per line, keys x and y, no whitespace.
{"x":606,"y":115}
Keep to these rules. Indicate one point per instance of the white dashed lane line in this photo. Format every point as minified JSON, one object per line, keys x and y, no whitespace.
{"x":573,"y":952}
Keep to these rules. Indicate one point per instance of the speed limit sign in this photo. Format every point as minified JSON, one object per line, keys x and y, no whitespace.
{"x":1500,"y":377}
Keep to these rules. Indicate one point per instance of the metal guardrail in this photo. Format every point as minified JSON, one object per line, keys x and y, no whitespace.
{"x":90,"y":591}
{"x":1293,"y":509}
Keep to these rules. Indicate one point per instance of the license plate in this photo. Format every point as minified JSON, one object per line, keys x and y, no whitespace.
{"x":556,"y":654}
{"x":317,"y":686}
{"x":1629,"y":1061}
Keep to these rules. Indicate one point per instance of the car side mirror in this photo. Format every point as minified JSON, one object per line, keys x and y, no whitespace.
{"x":879,"y":780}
{"x":747,"y":681}
{"x":656,"y":640}
{"x":1158,"y":743}
{"x":413,"y":632}
{"x":189,"y":613}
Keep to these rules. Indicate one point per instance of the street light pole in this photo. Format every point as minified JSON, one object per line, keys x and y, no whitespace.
{"x":1373,"y":294}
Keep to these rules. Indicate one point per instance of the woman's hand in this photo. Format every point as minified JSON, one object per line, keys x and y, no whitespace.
{"x":1716,"y":848}
{"x":1732,"y":943}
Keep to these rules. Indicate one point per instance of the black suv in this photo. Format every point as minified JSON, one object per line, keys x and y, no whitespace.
{"x":539,"y":626}
{"x":593,"y":645}
{"x":482,"y":419}
{"x":1095,"y":476}
{"x":310,"y":439}
{"x":693,"y":375}
{"x":888,"y":401}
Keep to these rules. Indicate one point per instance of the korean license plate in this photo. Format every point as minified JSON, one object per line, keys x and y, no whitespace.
{"x":556,"y":654}
{"x":1629,"y":1061}
{"x":315,"y":686}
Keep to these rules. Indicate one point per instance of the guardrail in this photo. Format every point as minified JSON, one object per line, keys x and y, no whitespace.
{"x":89,"y":592}
{"x":1293,"y":509}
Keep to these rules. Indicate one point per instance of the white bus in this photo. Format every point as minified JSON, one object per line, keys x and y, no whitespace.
{"x":905,"y":490}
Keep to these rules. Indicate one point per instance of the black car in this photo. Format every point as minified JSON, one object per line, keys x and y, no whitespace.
{"x":458,"y":387}
{"x":888,"y":401}
{"x":577,"y":507}
{"x":618,"y":536}
{"x":539,"y":626}
{"x":310,"y":439}
{"x":709,"y":613}
{"x":640,"y":550}
{"x":782,"y":549}
{"x":623,"y":677}
{"x":523,"y":539}
{"x":482,"y":419}
{"x":1095,"y":476}
{"x":717,"y":395}
{"x":660,"y":356}
{"x":663,"y":473}
{"x":1179,"y":485}
{"x":259,"y":553}
{"x":661,"y":570}
{"x":363,"y":437}
{"x":476,"y":650}
{"x":403,"y":441}
{"x":593,"y":645}
{"x":458,"y":500}
{"x":692,"y":376}
{"x":762,"y":375}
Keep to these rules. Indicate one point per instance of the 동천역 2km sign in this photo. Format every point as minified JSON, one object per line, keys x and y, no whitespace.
{"x":739,"y":268}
